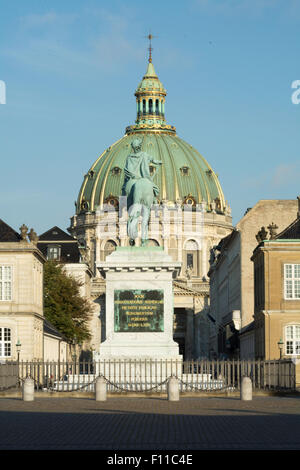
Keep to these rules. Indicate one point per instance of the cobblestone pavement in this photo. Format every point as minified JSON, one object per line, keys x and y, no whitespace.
{"x":266,"y":423}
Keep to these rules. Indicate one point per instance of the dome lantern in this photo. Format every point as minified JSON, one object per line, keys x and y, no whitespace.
{"x":150,"y":103}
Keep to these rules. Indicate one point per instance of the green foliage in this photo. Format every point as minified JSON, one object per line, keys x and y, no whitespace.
{"x":63,"y":305}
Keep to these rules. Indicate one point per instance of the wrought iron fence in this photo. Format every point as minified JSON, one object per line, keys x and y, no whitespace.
{"x":150,"y":375}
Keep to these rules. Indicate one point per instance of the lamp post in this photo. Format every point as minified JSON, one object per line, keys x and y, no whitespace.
{"x":280,"y":346}
{"x":18,"y":348}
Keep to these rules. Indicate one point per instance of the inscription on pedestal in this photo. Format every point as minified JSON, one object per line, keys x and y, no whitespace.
{"x":139,"y":311}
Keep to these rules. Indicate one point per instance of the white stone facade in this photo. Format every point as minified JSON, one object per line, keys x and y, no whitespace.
{"x":22,"y":312}
{"x":232,"y":274}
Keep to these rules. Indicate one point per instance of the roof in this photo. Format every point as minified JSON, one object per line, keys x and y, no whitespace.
{"x":69,"y":251}
{"x":248,"y":328}
{"x":8,"y":234}
{"x":56,"y":234}
{"x":292,"y":232}
{"x":51,"y":330}
{"x":184,"y":173}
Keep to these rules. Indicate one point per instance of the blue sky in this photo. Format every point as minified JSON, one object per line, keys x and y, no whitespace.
{"x":71,"y":68}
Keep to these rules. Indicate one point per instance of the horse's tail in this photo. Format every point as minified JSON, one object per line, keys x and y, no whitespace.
{"x":132,"y":226}
{"x":143,"y":192}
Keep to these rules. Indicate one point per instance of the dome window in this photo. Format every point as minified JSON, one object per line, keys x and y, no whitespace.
{"x":218,"y":203}
{"x":189,"y":200}
{"x":116,"y":171}
{"x":84,"y":206}
{"x":209,"y":172}
{"x":109,"y":247}
{"x":152,"y":170}
{"x":185,"y":170}
{"x":112,"y":201}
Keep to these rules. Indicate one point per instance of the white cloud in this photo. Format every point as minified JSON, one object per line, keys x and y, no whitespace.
{"x":280,"y":177}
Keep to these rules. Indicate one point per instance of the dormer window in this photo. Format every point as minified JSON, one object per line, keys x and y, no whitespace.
{"x":116,"y":171}
{"x":189,"y":200}
{"x":112,"y":201}
{"x":185,"y":170}
{"x":53,"y":252}
{"x":152,"y":170}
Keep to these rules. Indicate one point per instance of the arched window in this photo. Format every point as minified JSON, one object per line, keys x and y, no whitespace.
{"x":191,"y":258}
{"x":109,"y":247}
{"x":144,"y":106}
{"x":152,"y":242}
{"x":156,"y":107}
{"x":150,"y":107}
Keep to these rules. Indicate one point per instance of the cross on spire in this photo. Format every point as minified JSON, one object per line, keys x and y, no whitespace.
{"x":150,"y":48}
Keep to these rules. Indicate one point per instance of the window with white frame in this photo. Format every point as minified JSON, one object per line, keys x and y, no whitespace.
{"x":5,"y":282}
{"x":5,"y":342}
{"x":292,"y":281}
{"x":292,"y":340}
{"x":53,"y":252}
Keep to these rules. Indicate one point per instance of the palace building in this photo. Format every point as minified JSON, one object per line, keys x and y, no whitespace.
{"x":189,"y":217}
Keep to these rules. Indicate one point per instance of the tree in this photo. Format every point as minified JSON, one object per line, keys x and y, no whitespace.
{"x":64,"y":307}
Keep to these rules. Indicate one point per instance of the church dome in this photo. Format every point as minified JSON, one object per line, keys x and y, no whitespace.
{"x":184,"y":176}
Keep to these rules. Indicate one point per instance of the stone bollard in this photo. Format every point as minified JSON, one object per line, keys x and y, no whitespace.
{"x":100,"y":388}
{"x":28,"y":389}
{"x":246,"y":389}
{"x":173,"y":389}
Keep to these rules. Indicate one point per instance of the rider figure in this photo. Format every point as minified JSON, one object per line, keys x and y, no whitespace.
{"x":136,"y":167}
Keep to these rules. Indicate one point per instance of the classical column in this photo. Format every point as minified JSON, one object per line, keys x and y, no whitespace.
{"x":159,"y":107}
{"x":189,"y":335}
{"x":197,"y":336}
{"x":204,"y":268}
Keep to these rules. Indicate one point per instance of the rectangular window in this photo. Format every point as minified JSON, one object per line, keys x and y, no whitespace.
{"x":5,"y":283}
{"x":292,"y":281}
{"x":190,"y":260}
{"x":53,"y":252}
{"x":5,"y":342}
{"x":292,"y":336}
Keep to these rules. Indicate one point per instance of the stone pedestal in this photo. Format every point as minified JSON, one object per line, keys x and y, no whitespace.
{"x":139,"y":305}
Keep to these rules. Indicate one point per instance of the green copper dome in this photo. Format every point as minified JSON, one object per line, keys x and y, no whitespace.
{"x":184,"y":175}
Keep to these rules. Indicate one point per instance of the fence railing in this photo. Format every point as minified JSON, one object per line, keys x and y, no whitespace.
{"x":150,"y":375}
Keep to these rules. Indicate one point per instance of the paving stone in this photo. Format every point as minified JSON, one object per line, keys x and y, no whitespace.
{"x":265,"y":423}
